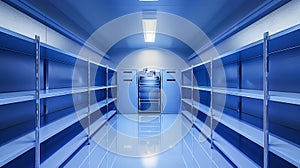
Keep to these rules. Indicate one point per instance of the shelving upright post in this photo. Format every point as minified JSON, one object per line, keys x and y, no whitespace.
{"x":89,"y":98}
{"x":37,"y":102}
{"x":266,"y":99}
{"x":211,"y":103}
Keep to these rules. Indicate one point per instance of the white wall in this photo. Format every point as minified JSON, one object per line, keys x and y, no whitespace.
{"x":280,"y":19}
{"x":152,"y":57}
{"x":14,"y":20}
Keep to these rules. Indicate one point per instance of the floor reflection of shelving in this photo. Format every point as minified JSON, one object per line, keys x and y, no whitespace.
{"x":149,"y":132}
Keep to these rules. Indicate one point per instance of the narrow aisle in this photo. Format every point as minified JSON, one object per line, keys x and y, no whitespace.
{"x":141,"y":141}
{"x":149,"y":140}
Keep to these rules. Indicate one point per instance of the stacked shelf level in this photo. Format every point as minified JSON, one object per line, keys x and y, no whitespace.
{"x":249,"y":117}
{"x":76,"y":96}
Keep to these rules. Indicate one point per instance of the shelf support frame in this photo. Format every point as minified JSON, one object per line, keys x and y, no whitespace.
{"x":89,"y":98}
{"x":37,"y":103}
{"x":266,"y":99}
{"x":211,"y":104}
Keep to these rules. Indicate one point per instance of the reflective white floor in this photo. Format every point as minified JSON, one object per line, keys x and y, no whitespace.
{"x":145,"y":141}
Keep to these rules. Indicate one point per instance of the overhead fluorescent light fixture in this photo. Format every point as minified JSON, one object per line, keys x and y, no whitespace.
{"x":149,"y":29}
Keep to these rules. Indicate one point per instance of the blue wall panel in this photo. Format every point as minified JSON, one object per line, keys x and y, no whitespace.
{"x":230,"y":79}
{"x":21,"y":122}
{"x":17,"y":72}
{"x":202,"y":76}
{"x":252,"y":71}
{"x":284,"y":71}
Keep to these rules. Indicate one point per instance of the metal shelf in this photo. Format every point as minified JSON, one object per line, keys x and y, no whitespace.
{"x":16,"y":148}
{"x":110,"y":100}
{"x":201,"y":107}
{"x":112,"y":86}
{"x":62,"y":154}
{"x":22,"y":144}
{"x":282,"y":97}
{"x":255,"y":94}
{"x":285,"y":97}
{"x":269,"y":45}
{"x":95,"y":88}
{"x":15,"y":97}
{"x":252,"y":133}
{"x":235,"y":155}
{"x":58,"y":54}
{"x":202,"y":88}
{"x":93,"y":150}
{"x":285,"y":149}
{"x":187,"y":87}
{"x":62,"y":92}
{"x":67,"y":150}
{"x":15,"y":42}
{"x":98,"y":64}
{"x":203,"y":150}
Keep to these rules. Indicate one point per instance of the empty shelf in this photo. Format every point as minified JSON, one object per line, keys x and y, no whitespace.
{"x":201,"y":107}
{"x":188,"y":115}
{"x":282,"y":97}
{"x":58,"y":54}
{"x":15,"y":97}
{"x":255,"y":94}
{"x":285,"y":97}
{"x":203,"y":88}
{"x":278,"y":146}
{"x":16,"y":42}
{"x":285,"y":149}
{"x":188,"y":101}
{"x":57,"y":126}
{"x":112,"y":86}
{"x":21,"y":145}
{"x":16,"y":148}
{"x":111,"y":113}
{"x":202,"y":151}
{"x":110,"y":100}
{"x":62,"y":154}
{"x":94,"y":88}
{"x":252,"y":133}
{"x":97,"y":106}
{"x":67,"y":150}
{"x":98,"y":64}
{"x":62,"y":92}
{"x":187,"y":87}
{"x":93,"y":151}
{"x":235,"y":155}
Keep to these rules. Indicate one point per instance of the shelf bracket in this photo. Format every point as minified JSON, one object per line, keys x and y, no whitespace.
{"x":37,"y":102}
{"x":266,"y":98}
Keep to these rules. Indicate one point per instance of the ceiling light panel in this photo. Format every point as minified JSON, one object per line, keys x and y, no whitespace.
{"x":149,"y":29}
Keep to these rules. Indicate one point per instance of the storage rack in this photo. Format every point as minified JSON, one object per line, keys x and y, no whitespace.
{"x":269,"y":95}
{"x":149,"y":86}
{"x":52,"y":125}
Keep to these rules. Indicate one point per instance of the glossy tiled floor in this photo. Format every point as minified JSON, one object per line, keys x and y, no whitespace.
{"x":144,"y":141}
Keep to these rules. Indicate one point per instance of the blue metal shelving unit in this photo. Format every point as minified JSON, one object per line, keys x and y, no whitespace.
{"x":51,"y":120}
{"x":259,"y":131}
